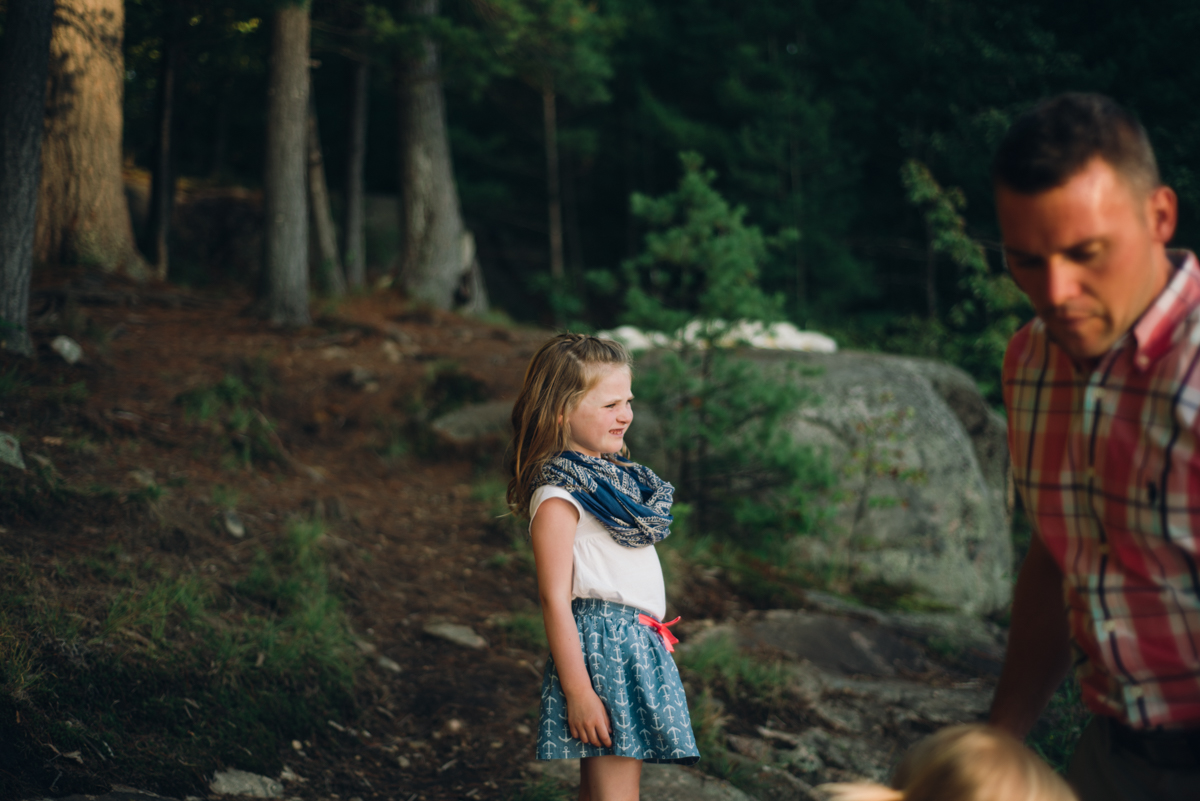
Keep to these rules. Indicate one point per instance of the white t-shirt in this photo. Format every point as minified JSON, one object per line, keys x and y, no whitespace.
{"x":604,"y":569}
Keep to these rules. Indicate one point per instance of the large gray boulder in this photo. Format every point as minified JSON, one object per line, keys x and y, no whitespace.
{"x":923,"y":466}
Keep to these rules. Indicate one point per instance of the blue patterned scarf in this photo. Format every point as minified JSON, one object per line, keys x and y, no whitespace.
{"x":631,"y":501}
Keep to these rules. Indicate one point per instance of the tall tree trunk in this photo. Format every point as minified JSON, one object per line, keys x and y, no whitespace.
{"x":82,"y":215}
{"x":798,"y":210}
{"x":221,"y":134}
{"x":330,"y":268}
{"x":572,"y":233}
{"x":162,"y":180}
{"x":434,"y":267}
{"x":23,"y":65}
{"x":284,"y":206}
{"x":930,"y":274}
{"x":550,"y":126}
{"x":356,"y":155}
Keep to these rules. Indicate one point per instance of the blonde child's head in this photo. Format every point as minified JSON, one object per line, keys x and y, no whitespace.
{"x":559,"y":375}
{"x":963,"y":763}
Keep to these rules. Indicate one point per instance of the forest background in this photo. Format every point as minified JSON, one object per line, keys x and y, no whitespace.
{"x":835,"y":124}
{"x":808,"y":112}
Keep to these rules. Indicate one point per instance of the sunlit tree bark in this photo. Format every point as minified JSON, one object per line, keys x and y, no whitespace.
{"x":82,"y":214}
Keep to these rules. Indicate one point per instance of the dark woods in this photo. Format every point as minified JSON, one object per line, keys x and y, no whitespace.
{"x":502,"y":140}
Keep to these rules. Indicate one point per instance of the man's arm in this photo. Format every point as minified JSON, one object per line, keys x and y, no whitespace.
{"x":1039,"y":650}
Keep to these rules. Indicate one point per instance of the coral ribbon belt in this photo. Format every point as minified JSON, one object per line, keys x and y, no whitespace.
{"x":668,"y":638}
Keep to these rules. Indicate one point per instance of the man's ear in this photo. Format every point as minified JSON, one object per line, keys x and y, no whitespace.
{"x":1162,"y":213}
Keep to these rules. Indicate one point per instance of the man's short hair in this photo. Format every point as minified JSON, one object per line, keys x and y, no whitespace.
{"x":1058,"y":137}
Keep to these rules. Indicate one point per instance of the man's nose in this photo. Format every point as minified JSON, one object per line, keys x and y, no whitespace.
{"x":1062,"y":281}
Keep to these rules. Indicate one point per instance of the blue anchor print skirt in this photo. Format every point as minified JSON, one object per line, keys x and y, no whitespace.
{"x":638,"y":682}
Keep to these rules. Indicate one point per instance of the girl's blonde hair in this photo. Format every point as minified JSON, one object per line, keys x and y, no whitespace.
{"x":559,"y":375}
{"x":963,"y":763}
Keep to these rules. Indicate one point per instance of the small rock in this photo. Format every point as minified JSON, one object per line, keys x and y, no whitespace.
{"x":240,"y":782}
{"x":750,"y":747}
{"x":389,"y":664}
{"x":233,"y":524}
{"x":457,"y":634}
{"x":289,"y":775}
{"x":454,"y":725}
{"x":359,"y":377}
{"x":42,"y":461}
{"x":403,"y":763}
{"x":523,"y":729}
{"x":10,"y":451}
{"x":297,"y":745}
{"x":391,"y":352}
{"x":68,"y":348}
{"x":364,"y":647}
{"x":142,"y":477}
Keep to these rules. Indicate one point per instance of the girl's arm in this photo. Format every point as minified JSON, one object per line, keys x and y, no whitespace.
{"x":553,"y":532}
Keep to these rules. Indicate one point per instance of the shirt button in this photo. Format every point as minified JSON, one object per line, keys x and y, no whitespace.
{"x":1135,"y":692}
{"x":1109,"y":626}
{"x":1142,"y":360}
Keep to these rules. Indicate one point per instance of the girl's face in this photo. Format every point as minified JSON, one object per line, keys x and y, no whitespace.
{"x":599,"y":422}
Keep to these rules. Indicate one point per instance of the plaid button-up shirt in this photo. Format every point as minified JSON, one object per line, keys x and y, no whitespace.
{"x":1108,"y":466}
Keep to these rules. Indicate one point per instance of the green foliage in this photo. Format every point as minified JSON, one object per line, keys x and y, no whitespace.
{"x":721,"y":414}
{"x":12,"y":383}
{"x":178,"y":671}
{"x":542,"y":790}
{"x":718,"y":662}
{"x":701,"y":260}
{"x":1060,"y":726}
{"x":990,"y":308}
{"x":523,"y":630}
{"x":226,"y":407}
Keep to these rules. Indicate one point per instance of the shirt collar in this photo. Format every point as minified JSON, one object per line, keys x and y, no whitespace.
{"x":1154,"y":332}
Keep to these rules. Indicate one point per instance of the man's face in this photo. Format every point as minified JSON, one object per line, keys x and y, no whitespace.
{"x":1090,"y":254}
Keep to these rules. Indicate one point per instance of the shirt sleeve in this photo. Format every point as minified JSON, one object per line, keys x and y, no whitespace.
{"x":547,"y":491}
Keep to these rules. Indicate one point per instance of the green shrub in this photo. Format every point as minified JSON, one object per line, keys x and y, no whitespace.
{"x":1060,"y":726}
{"x":227,"y":406}
{"x":721,"y":414}
{"x":718,"y":662}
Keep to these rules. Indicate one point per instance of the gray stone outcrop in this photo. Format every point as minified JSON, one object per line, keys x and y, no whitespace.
{"x":923,"y":467}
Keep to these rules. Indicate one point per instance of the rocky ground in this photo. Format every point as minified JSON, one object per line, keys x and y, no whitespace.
{"x":439,"y":594}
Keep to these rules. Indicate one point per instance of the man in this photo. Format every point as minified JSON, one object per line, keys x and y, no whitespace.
{"x":1103,"y":392}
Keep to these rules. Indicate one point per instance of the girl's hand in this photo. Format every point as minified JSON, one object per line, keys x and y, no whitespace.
{"x":588,"y":719}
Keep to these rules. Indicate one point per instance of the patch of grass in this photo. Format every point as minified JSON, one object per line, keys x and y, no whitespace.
{"x":524,"y":630}
{"x":182,"y":601}
{"x":447,"y":387}
{"x":393,"y":442}
{"x":225,"y":497}
{"x":12,"y":383}
{"x":206,"y":403}
{"x":708,"y":724}
{"x":227,"y":407}
{"x":718,"y":662}
{"x":892,"y":596}
{"x":1060,"y":726}
{"x":541,"y":790}
{"x":178,"y":677}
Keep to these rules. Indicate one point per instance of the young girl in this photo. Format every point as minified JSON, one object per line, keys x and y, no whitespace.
{"x":963,"y":763}
{"x":611,"y":694}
